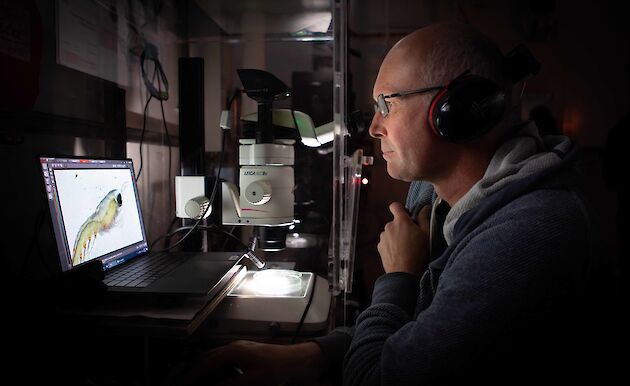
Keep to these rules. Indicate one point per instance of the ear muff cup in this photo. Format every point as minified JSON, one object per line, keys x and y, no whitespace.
{"x":466,"y":108}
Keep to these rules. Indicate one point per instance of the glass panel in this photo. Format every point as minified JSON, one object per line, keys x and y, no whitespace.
{"x":347,"y":167}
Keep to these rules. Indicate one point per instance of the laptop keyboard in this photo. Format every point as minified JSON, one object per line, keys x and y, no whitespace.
{"x":143,"y":272}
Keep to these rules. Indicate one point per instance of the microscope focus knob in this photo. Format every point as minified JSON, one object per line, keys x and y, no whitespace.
{"x":258,"y":192}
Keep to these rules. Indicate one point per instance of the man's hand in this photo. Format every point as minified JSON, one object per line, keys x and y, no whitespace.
{"x":260,"y":363}
{"x":404,"y":246}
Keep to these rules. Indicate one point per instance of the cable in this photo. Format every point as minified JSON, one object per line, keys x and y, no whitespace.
{"x":231,"y":231}
{"x":215,"y":186}
{"x":216,"y":182}
{"x":150,"y":53}
{"x":308,"y":306}
{"x":168,"y":231}
{"x":168,"y":143}
{"x":144,"y":126}
{"x":202,"y":227}
{"x":214,"y":191}
{"x":173,"y":221}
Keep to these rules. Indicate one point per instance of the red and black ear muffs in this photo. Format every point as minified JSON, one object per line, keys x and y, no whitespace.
{"x":466,"y":108}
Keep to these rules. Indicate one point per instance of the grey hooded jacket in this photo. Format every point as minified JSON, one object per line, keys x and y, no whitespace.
{"x":504,"y":301}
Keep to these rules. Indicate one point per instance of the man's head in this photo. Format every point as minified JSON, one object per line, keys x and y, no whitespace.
{"x":431,"y":56}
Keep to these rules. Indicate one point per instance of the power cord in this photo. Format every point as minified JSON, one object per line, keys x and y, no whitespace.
{"x":214,"y":188}
{"x":213,"y":228}
{"x":150,"y":54}
{"x":231,"y":231}
{"x":144,"y":126}
{"x":308,"y":306}
{"x":168,"y":142}
{"x":212,"y":196}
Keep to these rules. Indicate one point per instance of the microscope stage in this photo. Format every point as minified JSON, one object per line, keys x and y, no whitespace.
{"x":275,"y":298}
{"x":274,"y":283}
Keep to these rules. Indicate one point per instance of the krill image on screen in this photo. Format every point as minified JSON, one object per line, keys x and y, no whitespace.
{"x":99,"y":211}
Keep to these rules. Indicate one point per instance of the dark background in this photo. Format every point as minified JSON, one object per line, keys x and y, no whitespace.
{"x":47,"y":108}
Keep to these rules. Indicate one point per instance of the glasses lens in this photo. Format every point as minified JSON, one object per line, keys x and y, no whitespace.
{"x":382,"y":105}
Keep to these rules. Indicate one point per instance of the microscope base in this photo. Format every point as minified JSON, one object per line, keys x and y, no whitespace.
{"x":275,"y":315}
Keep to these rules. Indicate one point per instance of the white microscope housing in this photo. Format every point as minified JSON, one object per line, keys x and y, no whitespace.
{"x":266,"y":177}
{"x":266,"y":183}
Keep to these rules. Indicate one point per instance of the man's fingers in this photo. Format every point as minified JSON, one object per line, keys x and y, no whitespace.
{"x":398,"y":210}
{"x":424,"y":217}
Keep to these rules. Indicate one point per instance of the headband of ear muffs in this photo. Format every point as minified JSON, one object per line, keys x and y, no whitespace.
{"x":467,"y":108}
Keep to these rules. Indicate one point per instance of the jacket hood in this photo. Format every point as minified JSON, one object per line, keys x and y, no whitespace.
{"x":525,"y":155}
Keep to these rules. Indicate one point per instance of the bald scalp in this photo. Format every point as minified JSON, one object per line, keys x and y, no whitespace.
{"x":436,"y":54}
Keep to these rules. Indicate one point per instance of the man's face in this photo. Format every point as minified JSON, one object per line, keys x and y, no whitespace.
{"x":409,"y":147}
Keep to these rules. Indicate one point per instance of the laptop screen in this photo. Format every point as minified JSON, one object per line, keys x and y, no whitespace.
{"x":95,"y":210}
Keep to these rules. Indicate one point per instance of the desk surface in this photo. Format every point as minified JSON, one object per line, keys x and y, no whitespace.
{"x":150,"y":315}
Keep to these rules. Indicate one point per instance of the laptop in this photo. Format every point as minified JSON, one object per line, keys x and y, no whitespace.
{"x":95,"y":211}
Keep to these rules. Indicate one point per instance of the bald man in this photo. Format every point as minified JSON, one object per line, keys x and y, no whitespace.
{"x":483,"y":285}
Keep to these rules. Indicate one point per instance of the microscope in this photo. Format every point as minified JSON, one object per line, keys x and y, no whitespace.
{"x":265,"y":199}
{"x":266,"y":178}
{"x":265,"y":300}
{"x":272,"y":301}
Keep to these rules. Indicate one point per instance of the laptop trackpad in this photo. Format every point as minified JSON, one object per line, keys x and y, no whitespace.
{"x":196,"y":276}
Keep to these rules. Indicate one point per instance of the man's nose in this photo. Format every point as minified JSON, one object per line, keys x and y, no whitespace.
{"x":376,"y":129}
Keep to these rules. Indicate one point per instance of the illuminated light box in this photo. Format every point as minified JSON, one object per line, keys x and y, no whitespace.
{"x":274,"y":299}
{"x":274,"y":283}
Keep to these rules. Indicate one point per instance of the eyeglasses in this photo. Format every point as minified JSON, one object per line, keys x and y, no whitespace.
{"x":382,"y":105}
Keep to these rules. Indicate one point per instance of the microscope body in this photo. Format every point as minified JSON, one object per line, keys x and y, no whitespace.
{"x":266,"y":181}
{"x":265,"y":198}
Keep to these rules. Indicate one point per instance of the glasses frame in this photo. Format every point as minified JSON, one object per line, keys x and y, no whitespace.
{"x":382,"y":106}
